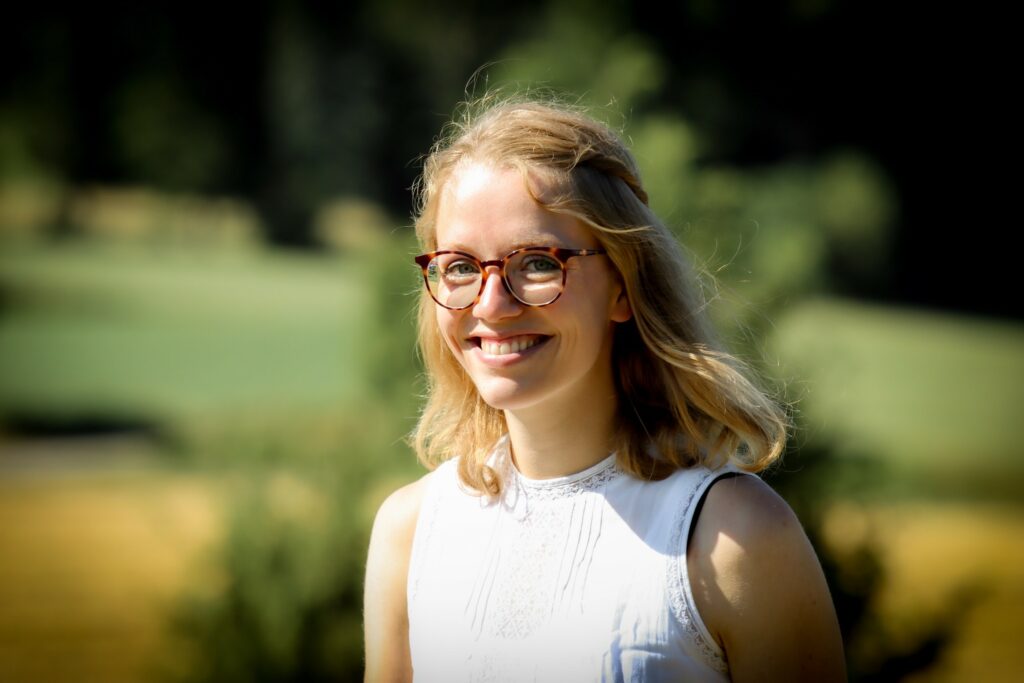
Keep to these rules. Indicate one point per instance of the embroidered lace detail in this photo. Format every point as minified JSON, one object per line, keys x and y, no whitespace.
{"x":681,"y":606}
{"x":549,"y":530}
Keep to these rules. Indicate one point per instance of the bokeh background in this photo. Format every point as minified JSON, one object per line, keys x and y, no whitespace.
{"x":206,"y":294}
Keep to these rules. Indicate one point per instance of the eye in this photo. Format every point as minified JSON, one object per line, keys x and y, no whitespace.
{"x":461,"y":269}
{"x":540,"y":264}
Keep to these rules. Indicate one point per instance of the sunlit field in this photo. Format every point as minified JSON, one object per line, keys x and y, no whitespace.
{"x":94,"y":556}
{"x":102,"y":535}
{"x":948,"y":560}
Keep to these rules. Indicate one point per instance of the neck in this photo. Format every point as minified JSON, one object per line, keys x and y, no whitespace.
{"x":550,"y":443}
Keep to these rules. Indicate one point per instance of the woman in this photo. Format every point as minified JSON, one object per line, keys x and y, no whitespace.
{"x":591,"y":516}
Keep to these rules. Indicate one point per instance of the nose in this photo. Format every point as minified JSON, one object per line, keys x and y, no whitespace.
{"x":495,"y":301}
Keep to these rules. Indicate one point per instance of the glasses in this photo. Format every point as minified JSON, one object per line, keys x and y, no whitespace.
{"x":535,"y":276}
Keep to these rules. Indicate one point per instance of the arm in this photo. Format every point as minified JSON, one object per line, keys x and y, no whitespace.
{"x":385,"y":615}
{"x":760,"y":588}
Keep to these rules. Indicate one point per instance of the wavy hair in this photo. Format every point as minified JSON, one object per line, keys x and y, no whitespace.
{"x":682,"y":400}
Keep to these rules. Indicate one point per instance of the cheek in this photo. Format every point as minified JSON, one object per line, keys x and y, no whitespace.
{"x":599,"y":330}
{"x":592,"y":315}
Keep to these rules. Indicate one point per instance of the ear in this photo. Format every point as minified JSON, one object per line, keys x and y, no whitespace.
{"x":621,"y":310}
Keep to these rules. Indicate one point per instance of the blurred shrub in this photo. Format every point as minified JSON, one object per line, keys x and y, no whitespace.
{"x":29,"y":208}
{"x":147,"y":217}
{"x":163,"y":136}
{"x":586,"y":53}
{"x":769,"y":236}
{"x":352,"y":224}
{"x":282,"y":596}
{"x":285,"y":599}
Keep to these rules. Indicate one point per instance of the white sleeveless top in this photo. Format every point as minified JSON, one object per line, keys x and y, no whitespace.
{"x":576,"y":579}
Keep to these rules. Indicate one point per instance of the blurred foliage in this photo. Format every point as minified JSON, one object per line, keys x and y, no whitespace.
{"x":581,"y":48}
{"x":29,"y":208}
{"x":163,"y":220}
{"x":165,"y":138}
{"x":287,"y":604}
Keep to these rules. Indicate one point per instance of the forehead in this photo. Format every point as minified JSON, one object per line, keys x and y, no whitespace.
{"x":488,"y":210}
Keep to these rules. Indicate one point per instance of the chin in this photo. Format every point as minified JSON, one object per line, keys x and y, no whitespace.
{"x":505,"y":394}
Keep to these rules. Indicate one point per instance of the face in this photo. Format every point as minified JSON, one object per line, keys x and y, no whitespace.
{"x":554,"y":357}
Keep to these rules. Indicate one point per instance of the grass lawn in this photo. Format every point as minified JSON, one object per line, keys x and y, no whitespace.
{"x":111,"y":332}
{"x":934,"y":399}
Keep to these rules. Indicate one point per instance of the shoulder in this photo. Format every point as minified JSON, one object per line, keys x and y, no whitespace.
{"x":759,"y":586}
{"x":385,"y":618}
{"x":387,"y":562}
{"x":745,"y":534}
{"x":749,"y":511}
{"x":397,"y":516}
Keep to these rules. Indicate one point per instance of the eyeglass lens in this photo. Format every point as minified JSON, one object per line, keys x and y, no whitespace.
{"x":455,"y":280}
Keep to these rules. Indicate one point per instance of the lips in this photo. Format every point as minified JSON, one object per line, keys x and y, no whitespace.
{"x":508,"y":345}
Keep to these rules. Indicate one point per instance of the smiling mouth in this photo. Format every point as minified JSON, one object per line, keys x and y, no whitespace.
{"x":505,"y":347}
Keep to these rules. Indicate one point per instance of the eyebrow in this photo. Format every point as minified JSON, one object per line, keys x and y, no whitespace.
{"x":523,"y":244}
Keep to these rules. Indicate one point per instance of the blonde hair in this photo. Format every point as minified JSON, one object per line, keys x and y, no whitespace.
{"x":682,"y":401}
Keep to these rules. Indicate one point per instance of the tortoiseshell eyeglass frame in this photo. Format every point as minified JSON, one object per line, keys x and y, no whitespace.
{"x":561,"y":255}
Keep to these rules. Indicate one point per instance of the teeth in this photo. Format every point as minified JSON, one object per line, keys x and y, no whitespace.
{"x":514,"y":345}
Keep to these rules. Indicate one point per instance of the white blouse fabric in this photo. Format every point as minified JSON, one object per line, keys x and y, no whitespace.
{"x":577,"y":579}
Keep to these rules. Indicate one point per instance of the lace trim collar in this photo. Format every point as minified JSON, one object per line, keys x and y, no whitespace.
{"x":518,"y":489}
{"x":567,"y":480}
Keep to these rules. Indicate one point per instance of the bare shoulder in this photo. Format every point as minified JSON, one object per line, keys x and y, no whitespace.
{"x":746,"y":535}
{"x":759,"y":586}
{"x":385,"y":611}
{"x":749,"y":511}
{"x":400,"y":510}
{"x":394,"y":527}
